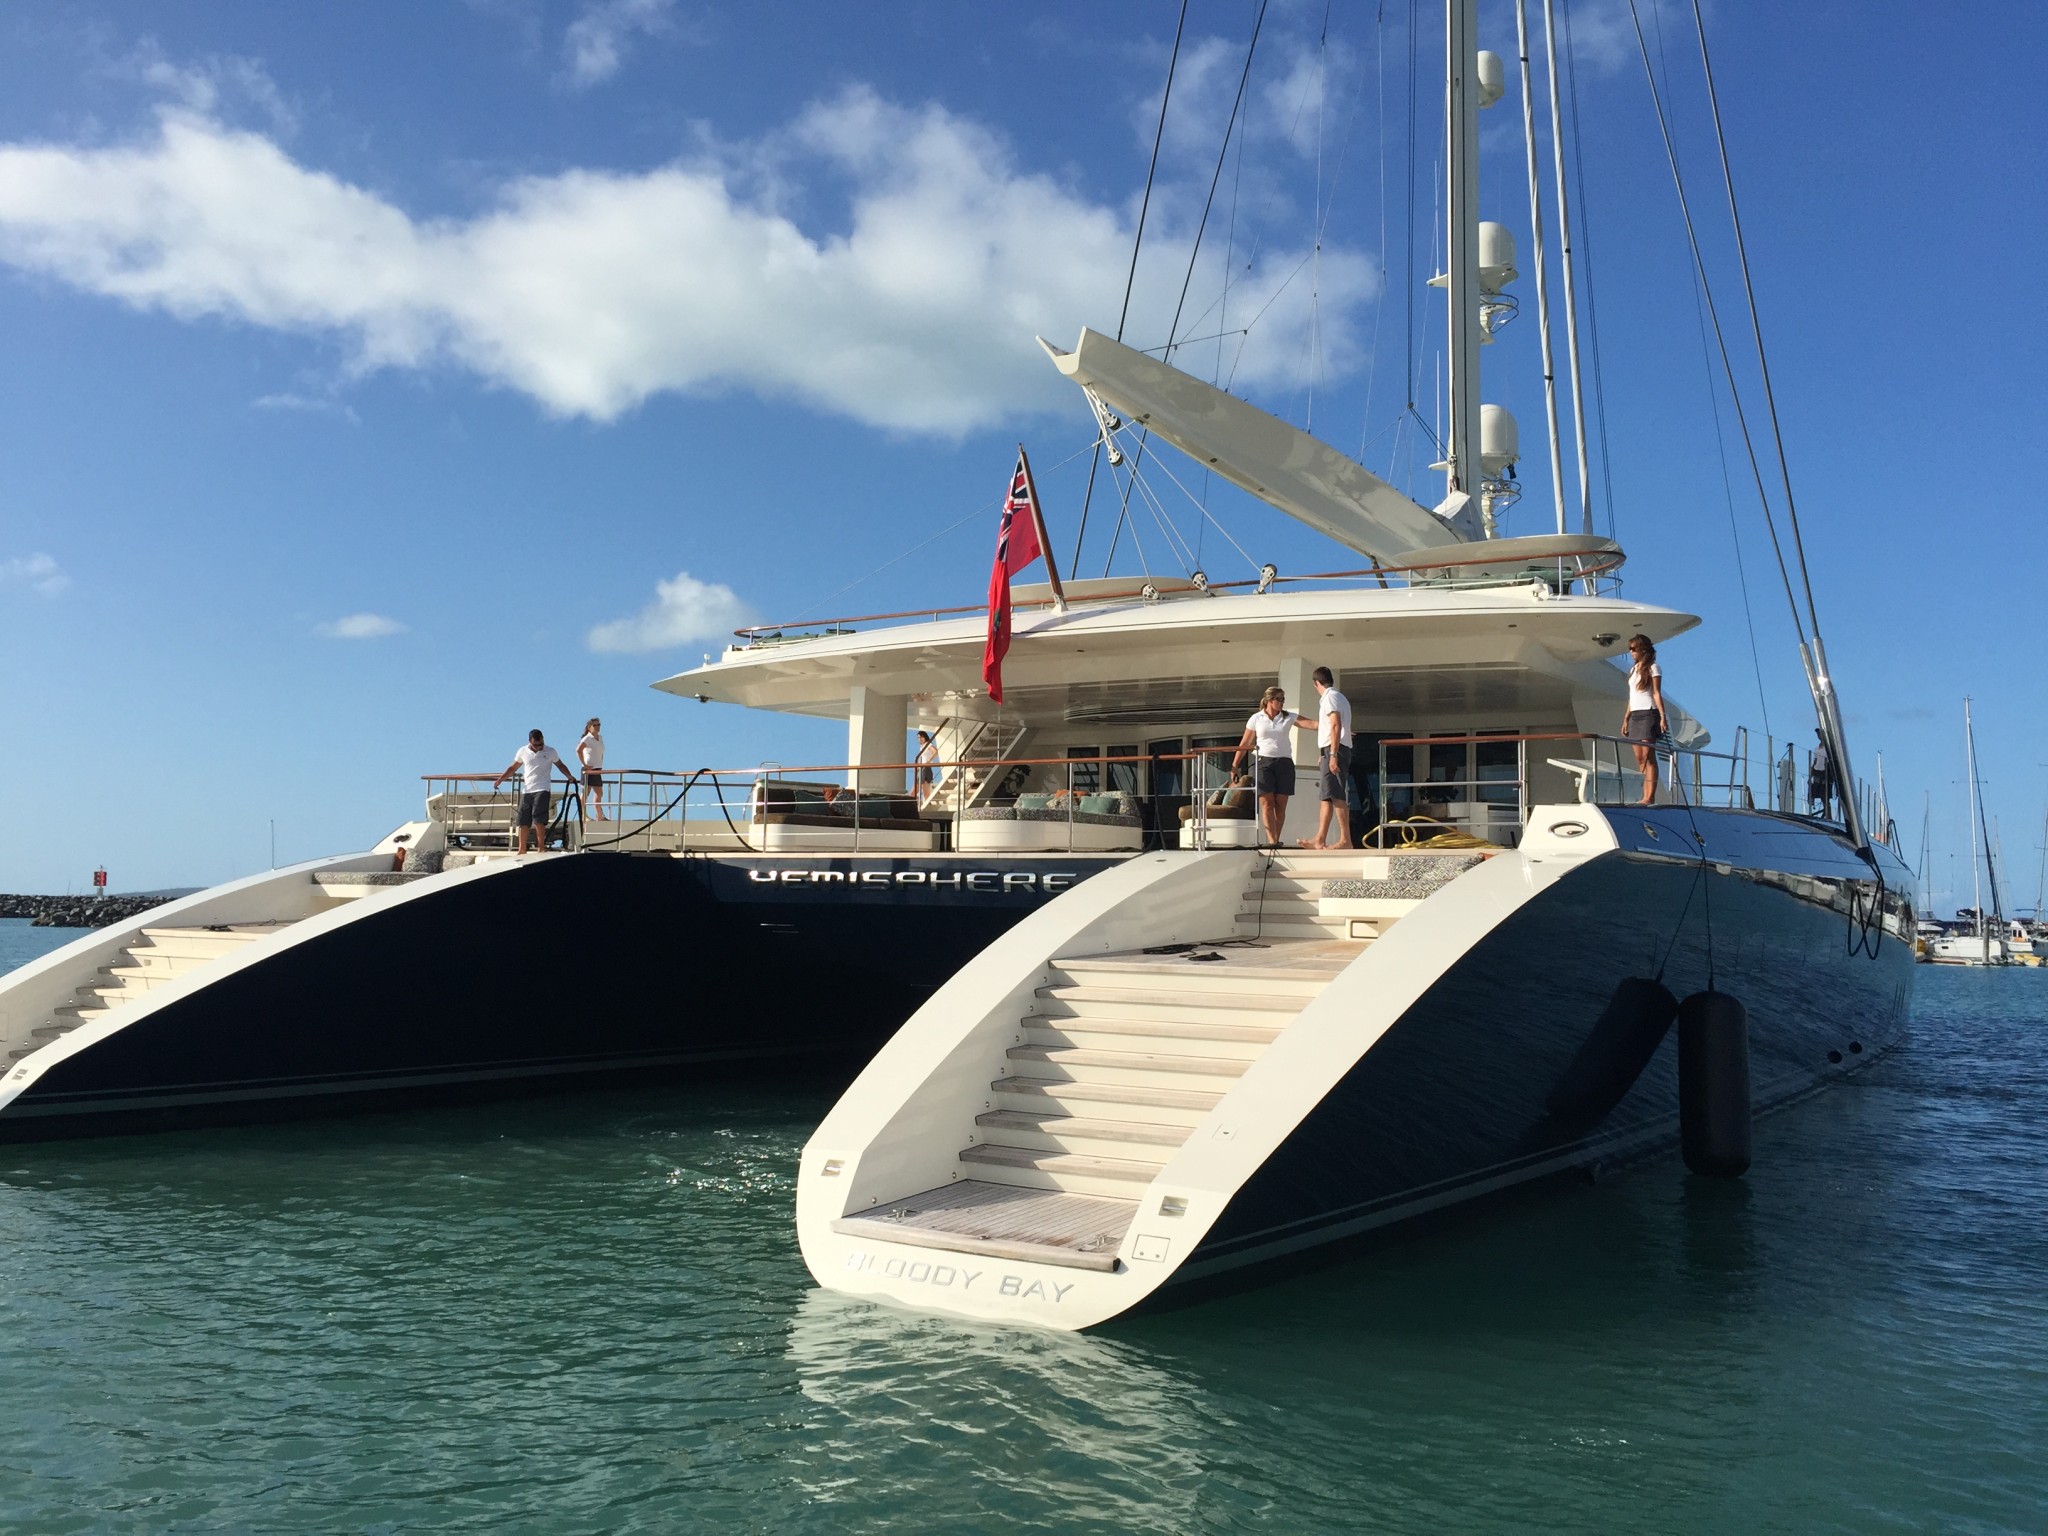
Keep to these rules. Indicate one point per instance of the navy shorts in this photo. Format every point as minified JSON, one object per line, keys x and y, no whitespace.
{"x":1336,"y":776}
{"x":533,"y":808}
{"x":1274,"y":775}
{"x":1642,"y":727}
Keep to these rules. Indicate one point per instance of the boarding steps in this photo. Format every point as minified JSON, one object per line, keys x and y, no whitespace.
{"x":157,"y":958}
{"x":1119,"y":1058}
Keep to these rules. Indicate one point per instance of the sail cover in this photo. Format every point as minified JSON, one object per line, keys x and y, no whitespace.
{"x":1277,"y":463}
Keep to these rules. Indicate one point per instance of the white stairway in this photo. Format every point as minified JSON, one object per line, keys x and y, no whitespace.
{"x":159,"y":957}
{"x":1121,"y":1057}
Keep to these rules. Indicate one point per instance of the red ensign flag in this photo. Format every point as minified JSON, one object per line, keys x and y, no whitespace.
{"x":1016,"y":547}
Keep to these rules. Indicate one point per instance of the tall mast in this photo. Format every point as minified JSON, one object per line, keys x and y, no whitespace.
{"x":1976,"y":880}
{"x":1571,"y":300}
{"x":1542,"y":266}
{"x":1461,"y":128}
{"x":1983,"y":821}
{"x":2041,"y":875}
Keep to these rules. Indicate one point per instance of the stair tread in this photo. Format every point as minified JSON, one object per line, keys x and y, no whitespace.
{"x":1162,"y":1029}
{"x":1177,"y":997}
{"x":1002,"y":1221}
{"x":1059,"y":1162}
{"x":1236,"y":962}
{"x":243,"y":931}
{"x":1079,"y":1125}
{"x":1062,"y":1089}
{"x":1136,"y":1061}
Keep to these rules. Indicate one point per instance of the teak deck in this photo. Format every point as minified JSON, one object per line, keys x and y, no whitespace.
{"x":1002,"y":1221}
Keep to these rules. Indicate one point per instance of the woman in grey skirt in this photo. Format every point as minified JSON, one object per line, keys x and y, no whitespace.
{"x":1643,"y":725}
{"x":1268,"y":734}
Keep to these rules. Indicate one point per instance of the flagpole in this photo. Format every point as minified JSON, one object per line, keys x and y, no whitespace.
{"x":1059,"y":595}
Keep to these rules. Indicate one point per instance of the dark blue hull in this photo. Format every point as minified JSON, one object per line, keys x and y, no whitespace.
{"x":564,"y":968}
{"x":1480,"y":1084}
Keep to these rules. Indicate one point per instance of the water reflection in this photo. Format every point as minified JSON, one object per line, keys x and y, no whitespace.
{"x":975,"y":1417}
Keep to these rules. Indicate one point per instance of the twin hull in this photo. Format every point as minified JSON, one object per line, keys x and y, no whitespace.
{"x":1433,"y":1069}
{"x":553,"y":967}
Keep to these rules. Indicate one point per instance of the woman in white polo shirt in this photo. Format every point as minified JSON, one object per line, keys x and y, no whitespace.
{"x":1271,"y":732}
{"x":1643,"y":725}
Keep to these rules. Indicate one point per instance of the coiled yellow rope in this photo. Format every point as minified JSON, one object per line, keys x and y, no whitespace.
{"x":1412,"y":831}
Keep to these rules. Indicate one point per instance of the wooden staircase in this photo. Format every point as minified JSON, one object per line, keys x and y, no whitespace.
{"x":158,"y":957}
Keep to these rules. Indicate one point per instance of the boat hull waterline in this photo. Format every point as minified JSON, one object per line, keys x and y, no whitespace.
{"x":555,"y":967}
{"x":1465,"y":1090}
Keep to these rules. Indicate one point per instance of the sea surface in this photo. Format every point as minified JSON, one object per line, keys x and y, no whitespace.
{"x":588,"y":1314}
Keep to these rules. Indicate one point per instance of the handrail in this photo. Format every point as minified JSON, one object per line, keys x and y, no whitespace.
{"x":1607,"y":560}
{"x":960,"y":762}
{"x":655,"y":810}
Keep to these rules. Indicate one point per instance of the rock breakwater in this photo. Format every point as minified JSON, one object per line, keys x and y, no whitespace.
{"x":76,"y":911}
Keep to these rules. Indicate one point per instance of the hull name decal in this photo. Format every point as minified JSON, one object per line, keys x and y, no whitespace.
{"x":944,"y":879}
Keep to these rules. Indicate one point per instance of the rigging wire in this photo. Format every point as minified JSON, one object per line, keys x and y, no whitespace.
{"x":1137,"y":243}
{"x":1379,"y":112}
{"x":1728,"y":496}
{"x":1755,"y":325}
{"x":1713,"y":313}
{"x":981,"y":511}
{"x":1194,"y":253}
{"x":1163,"y":468}
{"x":1571,"y":67}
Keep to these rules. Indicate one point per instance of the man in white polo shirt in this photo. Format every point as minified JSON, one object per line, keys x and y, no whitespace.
{"x":1333,"y":761}
{"x":534,"y":764}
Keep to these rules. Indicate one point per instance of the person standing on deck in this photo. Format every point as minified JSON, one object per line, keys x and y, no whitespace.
{"x":533,"y":763}
{"x":1270,"y":731}
{"x":1333,"y":762}
{"x":927,"y":773}
{"x":1643,"y":725}
{"x":590,"y":753}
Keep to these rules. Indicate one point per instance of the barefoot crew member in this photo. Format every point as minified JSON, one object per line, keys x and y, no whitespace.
{"x":1333,"y":762}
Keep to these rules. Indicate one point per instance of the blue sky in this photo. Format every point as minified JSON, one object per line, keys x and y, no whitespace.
{"x":384,"y":379}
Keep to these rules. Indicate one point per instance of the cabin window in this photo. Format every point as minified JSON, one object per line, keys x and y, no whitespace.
{"x":1126,"y":776}
{"x":1084,"y":770}
{"x":1169,"y":774}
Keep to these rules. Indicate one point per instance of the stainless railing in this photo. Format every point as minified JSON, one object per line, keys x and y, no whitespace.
{"x":1494,"y":801}
{"x":1049,"y":805}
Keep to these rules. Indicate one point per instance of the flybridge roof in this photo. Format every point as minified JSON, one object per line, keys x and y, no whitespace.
{"x":1214,"y":651}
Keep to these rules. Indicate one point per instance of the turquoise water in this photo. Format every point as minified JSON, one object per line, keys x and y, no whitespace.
{"x":589,"y":1315}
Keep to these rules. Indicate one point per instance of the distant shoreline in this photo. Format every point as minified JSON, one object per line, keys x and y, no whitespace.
{"x":81,"y":911}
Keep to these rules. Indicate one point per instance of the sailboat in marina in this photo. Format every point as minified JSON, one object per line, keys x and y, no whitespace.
{"x":1988,"y":940}
{"x":1211,"y":1058}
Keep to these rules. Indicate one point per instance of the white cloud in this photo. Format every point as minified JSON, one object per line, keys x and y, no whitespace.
{"x":359,"y":626}
{"x":309,"y":405}
{"x":596,"y":41}
{"x":215,"y":84}
{"x":684,"y":609}
{"x":912,"y":307}
{"x":39,"y":573}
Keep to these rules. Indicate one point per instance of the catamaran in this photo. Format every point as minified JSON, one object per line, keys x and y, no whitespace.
{"x":1213,"y":1057}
